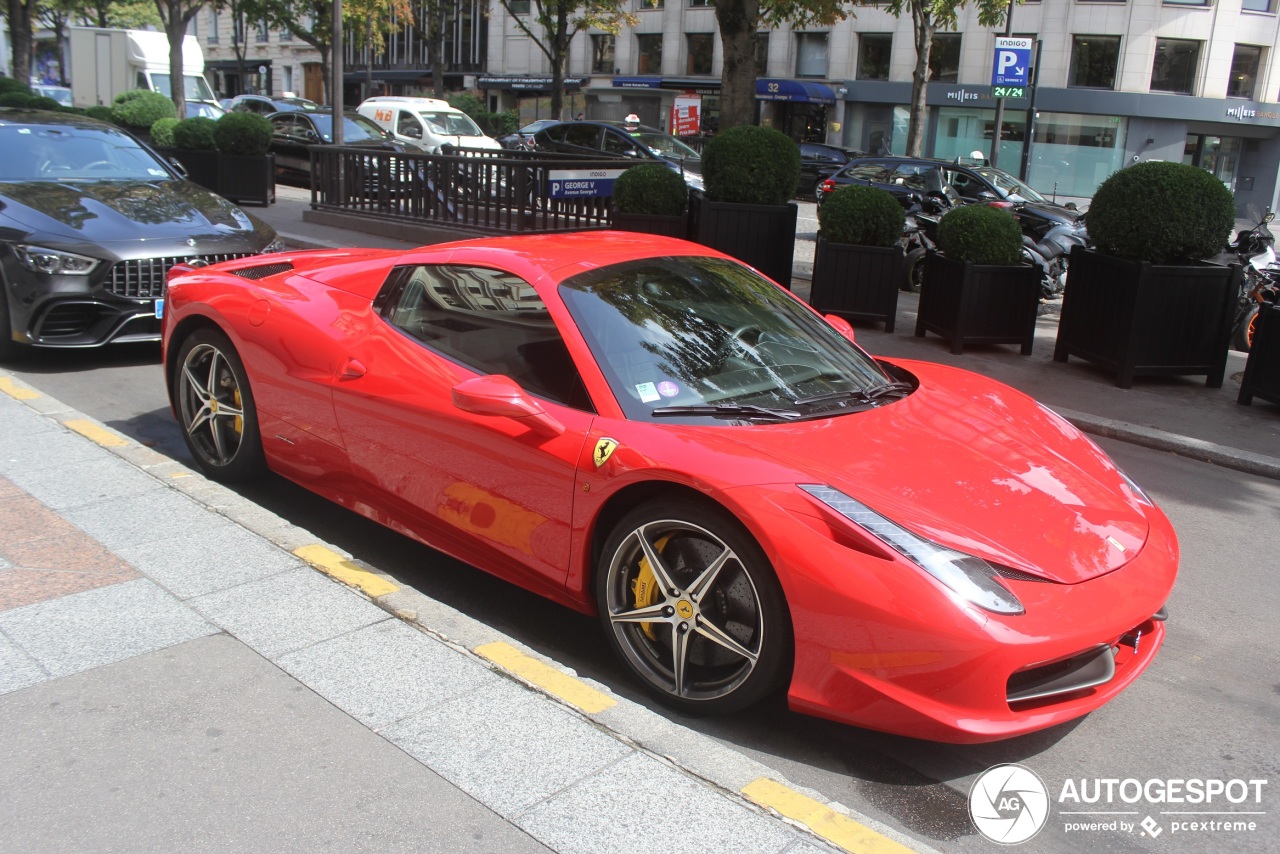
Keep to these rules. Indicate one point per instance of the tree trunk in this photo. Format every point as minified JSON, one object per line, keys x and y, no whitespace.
{"x":924,"y":27}
{"x":20,"y":38}
{"x":737,"y":20}
{"x":437,"y":49}
{"x":176,"y":29}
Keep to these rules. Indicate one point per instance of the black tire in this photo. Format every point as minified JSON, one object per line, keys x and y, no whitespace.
{"x":1242,"y":336}
{"x":732,"y":622}
{"x":8,"y":347}
{"x":914,"y":270}
{"x":215,"y":408}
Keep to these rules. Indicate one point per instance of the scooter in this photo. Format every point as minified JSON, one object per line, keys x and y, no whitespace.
{"x":920,"y":232}
{"x":1049,"y":249}
{"x":1254,"y":250}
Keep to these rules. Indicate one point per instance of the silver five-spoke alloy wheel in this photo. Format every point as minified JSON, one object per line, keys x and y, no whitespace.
{"x":215,"y":407}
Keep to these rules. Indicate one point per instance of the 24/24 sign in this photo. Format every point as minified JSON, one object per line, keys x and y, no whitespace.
{"x":1012,"y":61}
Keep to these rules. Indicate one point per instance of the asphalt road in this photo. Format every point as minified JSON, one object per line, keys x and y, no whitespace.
{"x":1208,"y":708}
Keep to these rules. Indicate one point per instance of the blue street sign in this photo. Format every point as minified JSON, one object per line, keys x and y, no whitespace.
{"x":1012,"y":62}
{"x":572,"y":183}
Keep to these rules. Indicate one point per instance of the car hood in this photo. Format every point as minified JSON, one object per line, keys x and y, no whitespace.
{"x":110,"y":211}
{"x":977,"y":466}
{"x":1051,"y":211}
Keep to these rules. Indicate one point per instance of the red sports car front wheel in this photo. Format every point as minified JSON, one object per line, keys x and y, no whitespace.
{"x":692,"y":606}
{"x":215,"y":406}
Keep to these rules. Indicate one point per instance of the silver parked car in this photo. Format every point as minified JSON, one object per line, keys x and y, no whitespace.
{"x":90,"y":223}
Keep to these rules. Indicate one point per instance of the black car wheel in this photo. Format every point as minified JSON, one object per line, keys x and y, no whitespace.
{"x":8,"y":348}
{"x":915,"y":270}
{"x":215,"y":406}
{"x":691,"y":605}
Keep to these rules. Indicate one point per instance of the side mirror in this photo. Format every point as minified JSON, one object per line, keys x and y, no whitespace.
{"x":839,"y":324}
{"x":178,"y":167}
{"x":310,"y":136}
{"x":501,"y":397}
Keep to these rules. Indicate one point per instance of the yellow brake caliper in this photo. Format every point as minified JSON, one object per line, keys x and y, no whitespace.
{"x":644,"y":587}
{"x":239,"y":422}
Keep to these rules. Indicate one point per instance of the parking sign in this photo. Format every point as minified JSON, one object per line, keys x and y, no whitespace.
{"x":1012,"y":62}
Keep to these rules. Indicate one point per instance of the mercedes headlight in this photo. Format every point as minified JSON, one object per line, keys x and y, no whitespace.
{"x":53,"y":262}
{"x":969,"y":577}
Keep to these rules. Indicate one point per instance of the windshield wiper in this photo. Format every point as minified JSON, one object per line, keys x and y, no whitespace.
{"x":728,"y":410}
{"x":868,"y":396}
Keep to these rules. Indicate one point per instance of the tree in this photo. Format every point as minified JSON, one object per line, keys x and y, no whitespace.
{"x":369,"y":22}
{"x":176,"y":16}
{"x":429,"y":21}
{"x":927,"y":17}
{"x":310,"y":21}
{"x":130,"y":15}
{"x":739,"y":20}
{"x":21,"y":13}
{"x":560,"y":21}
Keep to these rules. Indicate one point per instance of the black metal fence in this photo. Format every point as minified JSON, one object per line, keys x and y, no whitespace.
{"x":473,"y":189}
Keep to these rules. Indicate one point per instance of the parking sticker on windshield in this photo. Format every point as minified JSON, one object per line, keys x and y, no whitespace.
{"x":648,"y":392}
{"x":666,"y":388}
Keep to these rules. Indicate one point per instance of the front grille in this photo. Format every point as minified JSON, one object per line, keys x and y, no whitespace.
{"x":144,"y":278}
{"x":1085,"y":669}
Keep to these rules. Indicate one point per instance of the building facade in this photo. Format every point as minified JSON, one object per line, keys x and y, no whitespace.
{"x":1117,"y":82}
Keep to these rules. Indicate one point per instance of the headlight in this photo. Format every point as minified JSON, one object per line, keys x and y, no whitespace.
{"x":52,"y":262}
{"x":971,"y":578}
{"x":276,"y":245}
{"x":1138,"y":491}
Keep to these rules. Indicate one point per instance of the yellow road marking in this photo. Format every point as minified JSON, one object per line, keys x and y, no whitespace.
{"x":95,"y":433}
{"x":573,"y":691}
{"x":336,"y":566}
{"x":17,"y":392}
{"x":821,"y":819}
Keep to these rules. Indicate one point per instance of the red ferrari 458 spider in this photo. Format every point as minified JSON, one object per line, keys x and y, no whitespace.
{"x":643,"y":428}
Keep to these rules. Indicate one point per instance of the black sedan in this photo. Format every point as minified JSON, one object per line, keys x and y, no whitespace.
{"x":265,"y":106}
{"x":819,"y":162}
{"x":618,"y":139}
{"x":90,"y":223}
{"x":522,"y":139}
{"x":293,"y":133}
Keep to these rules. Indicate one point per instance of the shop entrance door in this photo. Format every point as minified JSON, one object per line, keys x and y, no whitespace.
{"x":1217,"y":155}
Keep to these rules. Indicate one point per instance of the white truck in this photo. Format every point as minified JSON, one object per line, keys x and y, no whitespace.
{"x":106,"y":62}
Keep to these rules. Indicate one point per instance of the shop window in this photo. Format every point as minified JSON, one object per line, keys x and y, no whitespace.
{"x":873,"y":55}
{"x":944,"y":58}
{"x":602,"y":53}
{"x":1174,"y":68}
{"x":649,"y":53}
{"x":762,"y":54}
{"x":1093,"y":62}
{"x":811,"y":54}
{"x":1244,"y":71}
{"x":701,"y":47}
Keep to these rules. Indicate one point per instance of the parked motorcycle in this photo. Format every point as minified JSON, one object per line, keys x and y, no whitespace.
{"x":1254,"y":250}
{"x":920,"y":232}
{"x":1047,"y":245}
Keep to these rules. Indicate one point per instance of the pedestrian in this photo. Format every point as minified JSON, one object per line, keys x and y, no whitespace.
{"x":580,"y":117}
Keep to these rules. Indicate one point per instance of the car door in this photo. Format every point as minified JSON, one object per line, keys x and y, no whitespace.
{"x":488,"y":489}
{"x":289,"y":143}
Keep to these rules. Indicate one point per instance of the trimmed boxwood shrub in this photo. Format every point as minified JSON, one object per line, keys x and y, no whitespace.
{"x":16,"y":99}
{"x":162,"y":132}
{"x":242,"y":133}
{"x":980,"y":234}
{"x":101,"y":113}
{"x":41,"y":102}
{"x":1162,"y":212}
{"x":650,"y":188}
{"x":10,"y":84}
{"x":140,"y":109}
{"x":195,"y":134}
{"x":863,"y":216}
{"x":751,"y":165}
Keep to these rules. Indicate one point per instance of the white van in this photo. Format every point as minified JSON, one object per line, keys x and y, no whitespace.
{"x":425,"y":123}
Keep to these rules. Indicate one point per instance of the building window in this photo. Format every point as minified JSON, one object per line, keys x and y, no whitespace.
{"x":811,"y":54}
{"x":1174,"y":68}
{"x":1244,"y":71}
{"x":1186,"y":2}
{"x":213,"y":27}
{"x":1093,"y":62}
{"x":873,"y":55}
{"x":287,"y":78}
{"x":651,"y":4}
{"x":1256,"y":5}
{"x":286,"y":34}
{"x":762,"y":54}
{"x":696,"y":3}
{"x":263,"y":34}
{"x":602,"y":47}
{"x":519,"y":7}
{"x":649,"y":53}
{"x":701,"y":46}
{"x":944,"y":58}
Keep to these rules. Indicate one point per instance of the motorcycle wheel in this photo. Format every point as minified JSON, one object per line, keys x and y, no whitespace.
{"x":915,"y":270}
{"x":1242,"y":335}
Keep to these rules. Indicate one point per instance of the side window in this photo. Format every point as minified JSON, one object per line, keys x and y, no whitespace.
{"x":407,"y":124}
{"x":616,"y":144}
{"x":965,"y":185}
{"x":869,"y":172}
{"x":555,"y":133}
{"x":582,"y":135}
{"x":911,"y":176}
{"x":490,"y":321}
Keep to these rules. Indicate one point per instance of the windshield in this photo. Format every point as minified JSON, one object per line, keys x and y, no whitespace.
{"x":1009,"y":186}
{"x":354,"y":128}
{"x":450,"y":124}
{"x":675,"y":332}
{"x":65,"y":153}
{"x":195,"y":88}
{"x":666,"y":146}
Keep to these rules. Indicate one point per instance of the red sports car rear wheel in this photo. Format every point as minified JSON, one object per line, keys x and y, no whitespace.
{"x":692,"y":606}
{"x":215,"y":406}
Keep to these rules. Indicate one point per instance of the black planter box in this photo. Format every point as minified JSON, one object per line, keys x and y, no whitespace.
{"x":763,"y":236}
{"x":857,"y":282}
{"x":970,"y":303}
{"x":201,"y":166}
{"x":1262,"y":370}
{"x":667,"y":226}
{"x":246,"y":178}
{"x":1139,"y":319}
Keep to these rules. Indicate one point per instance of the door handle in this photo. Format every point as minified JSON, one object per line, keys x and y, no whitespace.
{"x":353,"y":370}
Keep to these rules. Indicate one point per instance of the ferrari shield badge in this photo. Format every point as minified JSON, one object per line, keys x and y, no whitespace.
{"x":604,"y":449}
